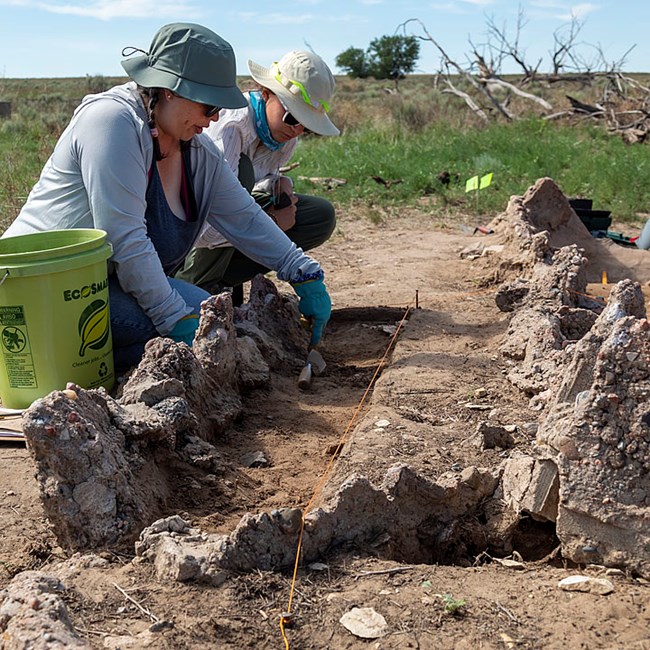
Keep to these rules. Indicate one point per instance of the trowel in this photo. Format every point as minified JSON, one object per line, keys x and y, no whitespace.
{"x":314,"y":365}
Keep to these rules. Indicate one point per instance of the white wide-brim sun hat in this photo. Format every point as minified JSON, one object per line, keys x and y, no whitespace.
{"x":304,"y":84}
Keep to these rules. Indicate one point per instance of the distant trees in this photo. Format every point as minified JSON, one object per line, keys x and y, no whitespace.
{"x":387,"y":57}
{"x":353,"y":62}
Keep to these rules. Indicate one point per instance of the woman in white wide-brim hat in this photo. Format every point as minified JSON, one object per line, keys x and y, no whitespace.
{"x":134,"y":162}
{"x":293,"y":97}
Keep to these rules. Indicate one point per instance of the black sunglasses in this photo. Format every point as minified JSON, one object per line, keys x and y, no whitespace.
{"x":211,"y":111}
{"x":289,"y":119}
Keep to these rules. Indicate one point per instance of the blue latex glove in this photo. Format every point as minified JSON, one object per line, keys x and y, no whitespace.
{"x":315,"y":305}
{"x":185,"y":329}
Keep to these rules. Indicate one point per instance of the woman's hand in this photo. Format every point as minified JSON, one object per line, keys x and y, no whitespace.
{"x":185,"y":329}
{"x":284,"y":217}
{"x":315,"y":305}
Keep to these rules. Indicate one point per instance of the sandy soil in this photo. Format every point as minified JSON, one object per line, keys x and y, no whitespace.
{"x":375,"y":272}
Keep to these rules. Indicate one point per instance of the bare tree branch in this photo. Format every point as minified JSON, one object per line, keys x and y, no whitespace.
{"x":468,"y":77}
{"x":468,"y":100}
{"x":518,"y":91}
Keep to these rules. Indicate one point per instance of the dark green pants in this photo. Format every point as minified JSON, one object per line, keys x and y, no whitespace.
{"x":213,"y":269}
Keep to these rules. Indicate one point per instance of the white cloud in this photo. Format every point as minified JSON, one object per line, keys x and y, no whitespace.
{"x":449,"y":8}
{"x":578,"y":11}
{"x":567,"y":10}
{"x":109,"y":9}
{"x":277,"y":19}
{"x":460,"y":6}
{"x":293,"y":19}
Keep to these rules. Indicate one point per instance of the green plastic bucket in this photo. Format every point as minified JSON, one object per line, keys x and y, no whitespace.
{"x":54,"y":314}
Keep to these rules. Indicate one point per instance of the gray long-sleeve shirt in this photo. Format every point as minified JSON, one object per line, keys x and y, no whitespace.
{"x":97,"y":178}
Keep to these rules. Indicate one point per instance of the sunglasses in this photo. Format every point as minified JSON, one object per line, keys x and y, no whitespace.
{"x":289,"y":119}
{"x":211,"y":111}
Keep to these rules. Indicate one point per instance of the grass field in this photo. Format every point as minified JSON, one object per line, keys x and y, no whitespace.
{"x":408,"y":139}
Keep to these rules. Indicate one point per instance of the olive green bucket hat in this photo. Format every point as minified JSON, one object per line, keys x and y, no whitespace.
{"x":190,"y":60}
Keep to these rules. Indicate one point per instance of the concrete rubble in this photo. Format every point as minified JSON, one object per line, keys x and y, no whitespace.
{"x":102,"y":463}
{"x":417,"y":519}
{"x":33,"y":615}
{"x":589,"y":367}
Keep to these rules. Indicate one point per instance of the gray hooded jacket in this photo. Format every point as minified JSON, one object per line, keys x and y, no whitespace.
{"x":97,"y":178}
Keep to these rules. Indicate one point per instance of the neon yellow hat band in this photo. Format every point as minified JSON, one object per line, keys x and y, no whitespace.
{"x":296,"y":87}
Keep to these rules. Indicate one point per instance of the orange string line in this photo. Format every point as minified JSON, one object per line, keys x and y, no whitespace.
{"x":285,"y":616}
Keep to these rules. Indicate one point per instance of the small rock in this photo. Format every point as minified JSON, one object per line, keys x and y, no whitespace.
{"x":614,"y":572}
{"x":480,"y":392}
{"x":365,"y":623}
{"x":631,"y":356}
{"x":531,"y":428}
{"x":10,"y":493}
{"x":255,"y":459}
{"x":510,"y":564}
{"x":382,"y":424}
{"x":318,"y":566}
{"x":590,"y":585}
{"x":490,"y":436}
{"x":289,"y":519}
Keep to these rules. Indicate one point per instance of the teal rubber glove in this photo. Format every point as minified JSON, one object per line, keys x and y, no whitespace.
{"x":185,"y":329}
{"x":315,"y":305}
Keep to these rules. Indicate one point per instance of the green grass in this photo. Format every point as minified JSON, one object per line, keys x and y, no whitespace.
{"x":411,"y":137}
{"x":583,"y":161}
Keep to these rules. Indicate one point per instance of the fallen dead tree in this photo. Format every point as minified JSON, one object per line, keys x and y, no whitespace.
{"x":620,"y":101}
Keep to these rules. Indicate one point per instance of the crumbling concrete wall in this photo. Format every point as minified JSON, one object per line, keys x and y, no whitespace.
{"x":590,"y":367}
{"x":415,"y":518}
{"x":103,"y":464}
{"x":598,"y":430}
{"x":549,"y":301}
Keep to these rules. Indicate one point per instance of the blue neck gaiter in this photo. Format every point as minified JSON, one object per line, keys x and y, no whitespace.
{"x":261,"y":125}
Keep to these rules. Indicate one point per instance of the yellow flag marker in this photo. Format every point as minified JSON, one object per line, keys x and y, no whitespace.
{"x":604,"y":278}
{"x":485,"y":181}
{"x":475,"y":184}
{"x":471,"y":184}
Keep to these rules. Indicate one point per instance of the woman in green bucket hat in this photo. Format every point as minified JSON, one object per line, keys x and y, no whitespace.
{"x":134,"y":162}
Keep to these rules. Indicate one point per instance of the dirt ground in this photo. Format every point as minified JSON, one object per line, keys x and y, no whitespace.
{"x":374,"y":272}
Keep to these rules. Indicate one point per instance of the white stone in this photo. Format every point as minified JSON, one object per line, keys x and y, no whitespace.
{"x":599,"y":586}
{"x":365,"y":623}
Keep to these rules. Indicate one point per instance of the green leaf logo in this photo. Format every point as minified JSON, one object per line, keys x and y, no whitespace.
{"x":94,"y":326}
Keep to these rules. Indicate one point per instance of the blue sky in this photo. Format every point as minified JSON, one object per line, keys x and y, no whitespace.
{"x":71,"y":38}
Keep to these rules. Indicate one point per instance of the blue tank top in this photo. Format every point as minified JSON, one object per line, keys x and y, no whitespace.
{"x":171,"y":237}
